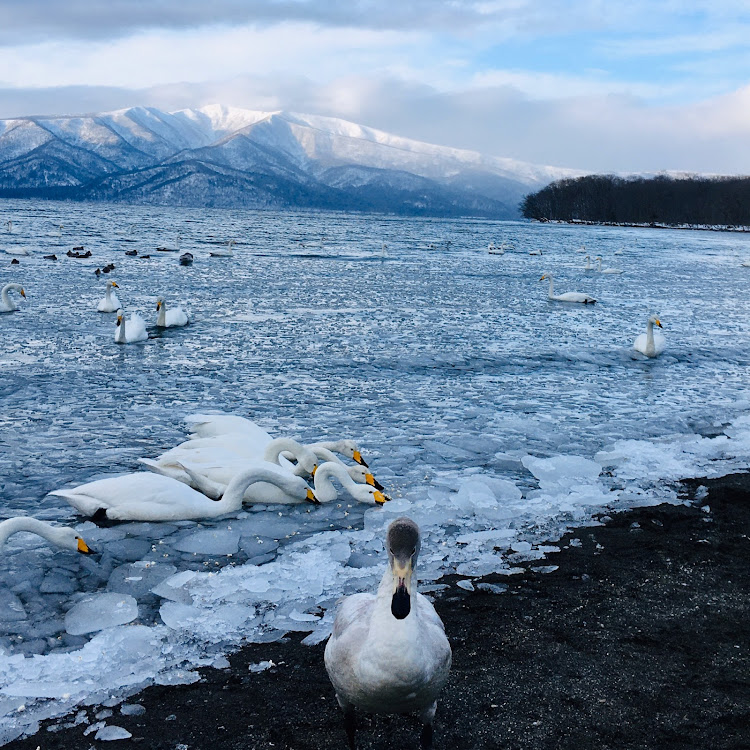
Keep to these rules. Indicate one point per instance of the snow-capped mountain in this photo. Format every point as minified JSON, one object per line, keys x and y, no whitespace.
{"x":224,"y":156}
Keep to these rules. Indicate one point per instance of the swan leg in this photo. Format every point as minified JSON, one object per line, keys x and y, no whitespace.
{"x":350,"y":725}
{"x":426,"y":717}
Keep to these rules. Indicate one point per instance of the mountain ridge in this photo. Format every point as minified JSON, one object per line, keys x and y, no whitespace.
{"x":228,"y":156}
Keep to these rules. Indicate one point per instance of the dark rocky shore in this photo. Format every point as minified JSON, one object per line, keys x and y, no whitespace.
{"x":639,"y":639}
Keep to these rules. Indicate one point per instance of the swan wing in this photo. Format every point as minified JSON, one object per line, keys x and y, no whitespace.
{"x":574,"y":297}
{"x":136,"y":329}
{"x":177,"y":317}
{"x":214,"y":425}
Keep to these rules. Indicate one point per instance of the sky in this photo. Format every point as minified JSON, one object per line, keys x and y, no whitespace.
{"x":596,"y":85}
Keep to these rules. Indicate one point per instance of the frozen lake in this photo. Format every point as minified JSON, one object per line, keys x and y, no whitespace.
{"x":494,"y":417}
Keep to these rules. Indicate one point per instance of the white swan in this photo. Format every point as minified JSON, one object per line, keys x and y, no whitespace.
{"x":746,"y":263}
{"x":165,"y":249}
{"x":216,"y":425}
{"x":606,"y":270}
{"x":9,"y":224}
{"x":135,"y":331}
{"x":110,"y":302}
{"x":223,"y":253}
{"x":61,"y":536}
{"x":388,"y":652}
{"x":144,"y":496}
{"x":568,"y":296}
{"x":358,"y":472}
{"x":326,"y":492}
{"x":170,"y":318}
{"x":6,"y":303}
{"x":581,"y":249}
{"x":494,"y":249}
{"x":589,"y":267}
{"x":538,"y":251}
{"x":221,"y":450}
{"x":651,"y":343}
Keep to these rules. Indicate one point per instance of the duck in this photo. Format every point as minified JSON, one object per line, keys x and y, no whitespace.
{"x":52,"y":256}
{"x":170,"y":318}
{"x":606,"y":270}
{"x":186,"y":259}
{"x":228,"y":253}
{"x":388,"y":652}
{"x":651,"y":343}
{"x":135,"y":331}
{"x":132,"y":253}
{"x":144,"y":496}
{"x":109,"y":303}
{"x":568,"y":296}
{"x":222,"y":425}
{"x":6,"y":303}
{"x":61,"y":536}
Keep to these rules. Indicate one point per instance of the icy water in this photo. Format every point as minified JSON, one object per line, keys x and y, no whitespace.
{"x":495,"y":417}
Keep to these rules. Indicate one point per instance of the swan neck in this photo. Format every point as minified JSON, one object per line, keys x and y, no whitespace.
{"x":551,"y":287}
{"x":4,"y":294}
{"x":161,"y":318}
{"x":121,"y":337}
{"x":324,"y":489}
{"x":235,"y":491}
{"x":13,"y":525}
{"x":650,"y":335}
{"x":276,"y":447}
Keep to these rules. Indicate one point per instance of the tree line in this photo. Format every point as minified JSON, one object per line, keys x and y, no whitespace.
{"x":717,"y":201}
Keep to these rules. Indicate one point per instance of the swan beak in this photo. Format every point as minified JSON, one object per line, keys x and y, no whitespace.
{"x":658,"y":322}
{"x":158,"y":306}
{"x":314,"y":469}
{"x":357,"y":456}
{"x":543,"y":277}
{"x":311,"y":497}
{"x":401,"y":601}
{"x":23,"y":294}
{"x":119,"y":320}
{"x":370,"y":479}
{"x":115,"y":285}
{"x":380,"y":498}
{"x":83,"y":548}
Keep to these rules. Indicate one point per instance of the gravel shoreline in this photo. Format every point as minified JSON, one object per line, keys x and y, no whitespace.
{"x":640,"y":638}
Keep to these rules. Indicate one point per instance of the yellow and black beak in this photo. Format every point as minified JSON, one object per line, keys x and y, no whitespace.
{"x":119,"y":320}
{"x":357,"y":456}
{"x":401,"y":601}
{"x":658,"y":322}
{"x":83,"y":548}
{"x":311,"y":497}
{"x":543,"y":277}
{"x":314,"y":469}
{"x":158,"y":306}
{"x":115,"y":285}
{"x":380,"y":498}
{"x":370,"y":479}
{"x":23,"y":294}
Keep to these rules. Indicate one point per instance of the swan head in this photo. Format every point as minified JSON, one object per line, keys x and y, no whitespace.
{"x":653,"y":319}
{"x":546,"y":276}
{"x":113,"y":283}
{"x":159,"y":303}
{"x":68,"y":538}
{"x":402,"y":544}
{"x":22,"y":293}
{"x":119,"y":318}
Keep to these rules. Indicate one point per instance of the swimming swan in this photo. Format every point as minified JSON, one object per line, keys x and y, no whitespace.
{"x":650,"y":343}
{"x":568,"y":296}
{"x":223,"y":253}
{"x":606,"y":270}
{"x":136,"y":329}
{"x":144,"y":496}
{"x":589,"y":267}
{"x":6,"y":303}
{"x":358,"y":472}
{"x":388,"y":652}
{"x":61,"y":536}
{"x":110,"y":303}
{"x":170,"y":318}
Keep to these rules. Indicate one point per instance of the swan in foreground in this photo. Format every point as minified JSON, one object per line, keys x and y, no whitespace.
{"x":144,"y":496}
{"x":651,"y":343}
{"x":6,"y":303}
{"x":568,"y":296}
{"x":135,"y":330}
{"x":110,"y":302}
{"x":388,"y":652}
{"x":223,"y":253}
{"x":61,"y":536}
{"x":605,"y":270}
{"x":222,"y":425}
{"x":170,"y":318}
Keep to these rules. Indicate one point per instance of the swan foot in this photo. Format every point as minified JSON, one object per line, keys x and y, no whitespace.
{"x":350,"y":725}
{"x":425,"y":740}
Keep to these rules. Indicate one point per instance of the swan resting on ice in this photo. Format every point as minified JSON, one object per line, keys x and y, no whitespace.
{"x":568,"y":296}
{"x":110,"y":303}
{"x":6,"y":303}
{"x":61,"y":536}
{"x":143,"y":496}
{"x":651,"y":343}
{"x":388,"y":652}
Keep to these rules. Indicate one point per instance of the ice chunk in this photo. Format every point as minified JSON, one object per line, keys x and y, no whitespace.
{"x":112,"y":732}
{"x":465,"y":584}
{"x":11,"y":607}
{"x":562,"y":472}
{"x":261,"y":666}
{"x":210,"y":542}
{"x":58,"y":582}
{"x":100,"y":611}
{"x":132,"y":709}
{"x":138,"y":579}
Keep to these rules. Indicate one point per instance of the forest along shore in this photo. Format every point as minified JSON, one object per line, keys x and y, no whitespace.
{"x":640,"y":638}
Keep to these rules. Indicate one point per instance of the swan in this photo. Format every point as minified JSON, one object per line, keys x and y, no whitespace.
{"x":110,"y":302}
{"x":171,"y":249}
{"x":359,"y":472}
{"x":326,"y":492}
{"x":568,"y":296}
{"x":388,"y":652}
{"x":538,"y":251}
{"x":746,"y":264}
{"x":223,"y":253}
{"x":170,"y":318}
{"x":143,"y":496}
{"x":649,"y":343}
{"x":581,"y":249}
{"x":589,"y":267}
{"x":136,"y":330}
{"x":606,"y":270}
{"x":6,"y":303}
{"x":17,"y":251}
{"x":222,"y":425}
{"x":225,"y":449}
{"x":62,"y":536}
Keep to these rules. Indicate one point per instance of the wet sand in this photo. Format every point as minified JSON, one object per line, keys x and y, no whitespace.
{"x":639,"y":639}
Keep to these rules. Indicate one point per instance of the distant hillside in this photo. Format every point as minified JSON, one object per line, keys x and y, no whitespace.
{"x":715,"y":201}
{"x":221,"y":156}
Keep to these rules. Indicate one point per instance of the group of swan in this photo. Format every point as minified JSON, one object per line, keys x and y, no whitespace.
{"x":6,"y":303}
{"x":388,"y":652}
{"x":599,"y":268}
{"x":61,"y":536}
{"x":209,"y":476}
